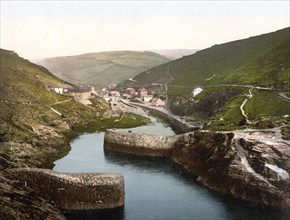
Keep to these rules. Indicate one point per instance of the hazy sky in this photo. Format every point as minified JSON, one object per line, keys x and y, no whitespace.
{"x":39,"y":29}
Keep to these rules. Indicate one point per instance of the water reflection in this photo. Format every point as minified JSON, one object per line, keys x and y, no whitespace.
{"x":234,"y":208}
{"x":108,"y":214}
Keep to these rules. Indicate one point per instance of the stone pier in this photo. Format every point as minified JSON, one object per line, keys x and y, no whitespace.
{"x":74,"y":191}
{"x":139,"y":144}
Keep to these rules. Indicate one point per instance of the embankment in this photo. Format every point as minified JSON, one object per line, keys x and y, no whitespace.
{"x":177,"y":124}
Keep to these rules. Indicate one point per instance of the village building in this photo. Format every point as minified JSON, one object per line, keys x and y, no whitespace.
{"x":107,"y":99}
{"x":80,"y":93}
{"x":114,"y":93}
{"x":147,"y":98}
{"x":58,"y":90}
{"x":196,"y":91}
{"x":130,"y":91}
{"x":157,"y":102}
{"x":126,"y":96}
{"x":142,"y":92}
{"x":113,"y":103}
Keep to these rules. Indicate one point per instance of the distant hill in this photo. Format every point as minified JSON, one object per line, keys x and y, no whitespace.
{"x":260,"y":60}
{"x":102,"y":68}
{"x":175,"y":53}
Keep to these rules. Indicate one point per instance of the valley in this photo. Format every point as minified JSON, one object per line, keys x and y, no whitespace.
{"x":229,"y":101}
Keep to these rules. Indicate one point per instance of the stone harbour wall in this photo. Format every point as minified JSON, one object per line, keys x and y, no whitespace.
{"x":74,"y":191}
{"x":139,"y":144}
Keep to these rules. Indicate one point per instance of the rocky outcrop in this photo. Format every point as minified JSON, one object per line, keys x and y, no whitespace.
{"x":246,"y":169}
{"x":73,"y":191}
{"x":246,"y":165}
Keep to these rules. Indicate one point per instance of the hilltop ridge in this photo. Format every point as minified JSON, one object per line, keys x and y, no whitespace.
{"x":260,"y":60}
{"x":102,"y":68}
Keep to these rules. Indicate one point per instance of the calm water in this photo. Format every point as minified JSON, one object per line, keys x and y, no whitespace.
{"x":155,"y":188}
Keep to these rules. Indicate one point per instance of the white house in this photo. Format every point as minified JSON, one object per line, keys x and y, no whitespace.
{"x":58,"y":90}
{"x":196,"y":91}
{"x":157,"y":102}
{"x":147,"y":98}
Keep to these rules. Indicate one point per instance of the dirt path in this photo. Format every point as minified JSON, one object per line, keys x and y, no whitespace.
{"x":249,"y":96}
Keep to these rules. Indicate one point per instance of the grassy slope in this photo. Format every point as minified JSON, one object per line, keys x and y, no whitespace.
{"x":31,"y":134}
{"x":262,"y":60}
{"x":102,"y":68}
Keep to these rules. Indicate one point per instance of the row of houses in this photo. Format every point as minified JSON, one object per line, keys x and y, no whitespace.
{"x":145,"y":97}
{"x":79,"y":93}
{"x":82,"y":94}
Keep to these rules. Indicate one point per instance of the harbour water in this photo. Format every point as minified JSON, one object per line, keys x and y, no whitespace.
{"x":155,"y":188}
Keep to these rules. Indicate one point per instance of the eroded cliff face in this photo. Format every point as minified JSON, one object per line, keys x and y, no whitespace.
{"x":247,"y":168}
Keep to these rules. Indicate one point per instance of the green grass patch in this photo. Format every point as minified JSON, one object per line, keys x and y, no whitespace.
{"x":230,"y":117}
{"x":127,"y":120}
{"x":267,"y":109}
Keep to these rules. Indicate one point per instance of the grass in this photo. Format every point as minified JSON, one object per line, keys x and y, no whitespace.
{"x":102,"y":68}
{"x":261,"y":60}
{"x":230,"y":117}
{"x":266,"y":109}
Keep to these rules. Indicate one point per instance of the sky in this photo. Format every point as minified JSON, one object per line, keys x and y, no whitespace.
{"x":41,"y":29}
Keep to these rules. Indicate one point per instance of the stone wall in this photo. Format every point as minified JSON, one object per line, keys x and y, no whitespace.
{"x":74,"y":191}
{"x":139,"y":144}
{"x":177,"y":124}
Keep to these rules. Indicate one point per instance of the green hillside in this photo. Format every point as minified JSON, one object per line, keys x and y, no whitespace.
{"x":102,"y":68}
{"x":32,"y":133}
{"x":262,"y":60}
{"x":226,"y":73}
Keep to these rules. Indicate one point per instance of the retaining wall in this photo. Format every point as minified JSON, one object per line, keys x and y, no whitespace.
{"x":175,"y":122}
